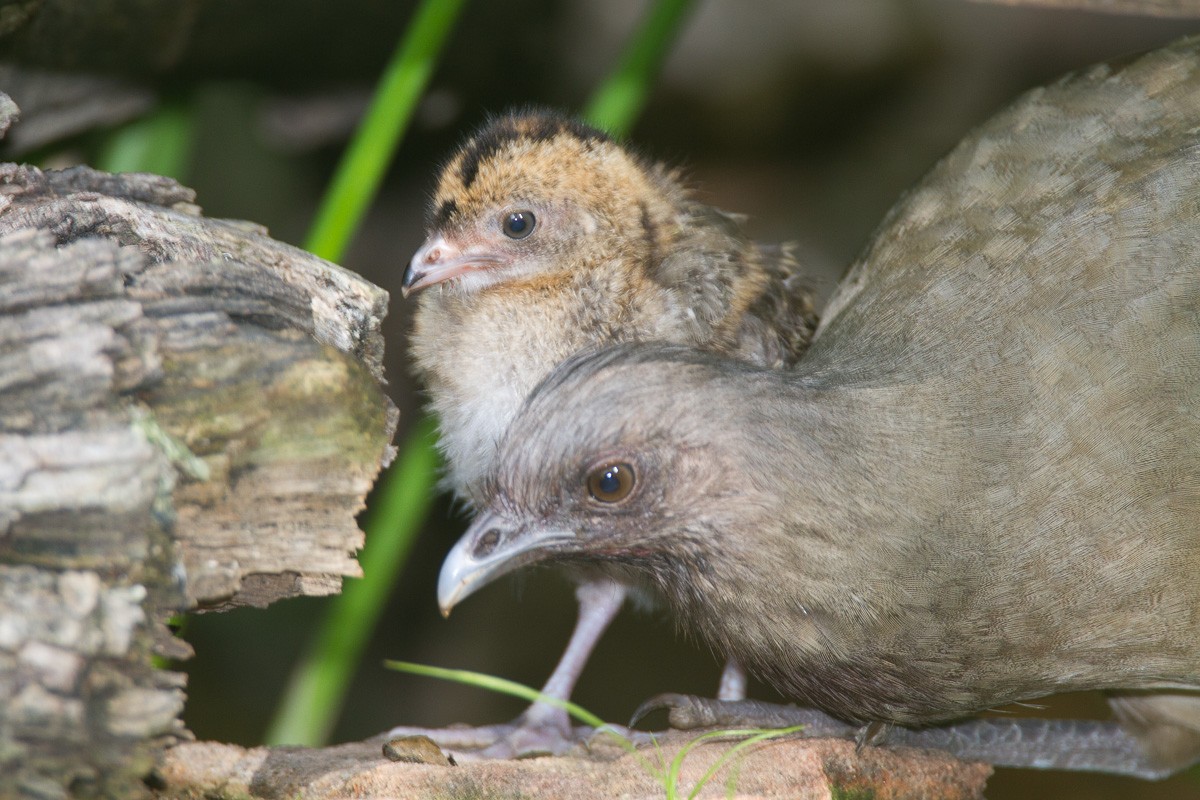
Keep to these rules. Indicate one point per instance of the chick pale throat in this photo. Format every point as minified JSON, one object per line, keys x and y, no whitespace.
{"x":980,"y":485}
{"x":546,"y":238}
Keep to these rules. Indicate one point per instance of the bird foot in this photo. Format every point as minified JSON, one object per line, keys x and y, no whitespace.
{"x":519,"y":739}
{"x":1084,"y":745}
{"x":687,"y":712}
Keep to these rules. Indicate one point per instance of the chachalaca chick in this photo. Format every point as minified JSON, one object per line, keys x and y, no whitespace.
{"x":981,"y":484}
{"x":546,"y":237}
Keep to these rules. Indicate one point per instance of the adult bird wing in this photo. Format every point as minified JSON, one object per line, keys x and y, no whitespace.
{"x":1039,"y":291}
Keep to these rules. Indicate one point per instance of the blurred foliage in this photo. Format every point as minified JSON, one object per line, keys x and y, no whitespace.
{"x":160,"y":142}
{"x":365,"y":163}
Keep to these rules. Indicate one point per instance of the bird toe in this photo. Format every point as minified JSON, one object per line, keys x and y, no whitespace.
{"x":689,"y":712}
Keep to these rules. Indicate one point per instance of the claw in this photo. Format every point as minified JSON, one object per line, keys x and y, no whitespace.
{"x":667,"y":701}
{"x":871,"y":734}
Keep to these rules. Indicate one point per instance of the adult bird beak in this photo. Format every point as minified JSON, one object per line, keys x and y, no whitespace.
{"x":438,"y":260}
{"x":492,"y":547}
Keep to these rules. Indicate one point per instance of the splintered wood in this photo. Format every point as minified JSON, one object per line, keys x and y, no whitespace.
{"x":190,"y":417}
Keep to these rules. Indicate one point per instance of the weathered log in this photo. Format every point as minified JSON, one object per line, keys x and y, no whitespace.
{"x":191,"y":415}
{"x":791,"y":769}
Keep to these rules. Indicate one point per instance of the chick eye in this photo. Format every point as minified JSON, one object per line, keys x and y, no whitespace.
{"x":518,"y":224}
{"x":610,"y":483}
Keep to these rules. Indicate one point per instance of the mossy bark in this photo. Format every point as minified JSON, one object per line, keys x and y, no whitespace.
{"x":191,"y":415}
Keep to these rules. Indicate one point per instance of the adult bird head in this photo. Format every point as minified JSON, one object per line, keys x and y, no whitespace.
{"x":605,"y":467}
{"x":761,"y":505}
{"x":535,"y":193}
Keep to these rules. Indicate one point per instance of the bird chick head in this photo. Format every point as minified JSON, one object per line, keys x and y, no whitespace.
{"x":533,"y":193}
{"x":612,"y":463}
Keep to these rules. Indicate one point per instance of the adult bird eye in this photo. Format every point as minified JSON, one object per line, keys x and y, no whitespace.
{"x":519,"y":224}
{"x":610,"y":483}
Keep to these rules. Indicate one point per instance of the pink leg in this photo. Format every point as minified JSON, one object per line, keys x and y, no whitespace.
{"x":542,"y":728}
{"x":599,"y":602}
{"x":733,"y":682}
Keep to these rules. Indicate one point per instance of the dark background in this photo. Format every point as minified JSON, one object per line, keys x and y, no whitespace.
{"x":812,"y":117}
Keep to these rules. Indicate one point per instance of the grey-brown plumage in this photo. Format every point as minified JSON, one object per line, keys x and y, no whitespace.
{"x":981,"y":485}
{"x":546,"y":237}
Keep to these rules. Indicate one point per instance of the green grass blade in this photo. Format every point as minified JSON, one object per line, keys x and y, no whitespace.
{"x":725,"y":758}
{"x":619,"y":100}
{"x":500,"y":685}
{"x":369,"y":153}
{"x":503,"y":686}
{"x":314,"y":694}
{"x":755,"y":734}
{"x":677,"y":762}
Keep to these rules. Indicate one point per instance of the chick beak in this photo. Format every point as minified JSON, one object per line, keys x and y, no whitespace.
{"x":492,"y":547}
{"x":438,"y":260}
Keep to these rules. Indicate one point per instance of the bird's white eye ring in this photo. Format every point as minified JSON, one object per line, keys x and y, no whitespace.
{"x":518,"y":224}
{"x":611,"y":482}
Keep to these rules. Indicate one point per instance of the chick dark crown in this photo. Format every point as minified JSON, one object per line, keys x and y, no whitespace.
{"x":548,"y":160}
{"x":511,"y":131}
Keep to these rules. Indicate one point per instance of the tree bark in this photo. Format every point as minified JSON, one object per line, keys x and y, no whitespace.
{"x":191,"y":415}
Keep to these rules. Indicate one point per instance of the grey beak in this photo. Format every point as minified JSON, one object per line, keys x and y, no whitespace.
{"x":492,"y":547}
